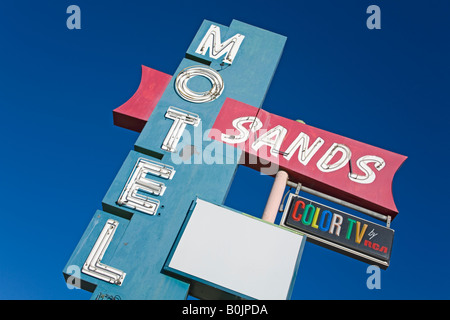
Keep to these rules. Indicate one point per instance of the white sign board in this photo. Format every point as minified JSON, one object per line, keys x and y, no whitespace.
{"x":236,"y":253}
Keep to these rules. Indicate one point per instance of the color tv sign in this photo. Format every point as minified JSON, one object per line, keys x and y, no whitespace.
{"x":339,"y":231}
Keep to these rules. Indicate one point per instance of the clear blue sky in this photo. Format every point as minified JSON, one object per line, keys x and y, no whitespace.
{"x":60,"y":150}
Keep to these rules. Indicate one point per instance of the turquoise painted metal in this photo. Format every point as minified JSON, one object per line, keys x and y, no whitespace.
{"x":142,"y":242}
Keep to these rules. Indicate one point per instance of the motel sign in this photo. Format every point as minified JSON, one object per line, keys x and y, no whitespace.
{"x":163,"y":231}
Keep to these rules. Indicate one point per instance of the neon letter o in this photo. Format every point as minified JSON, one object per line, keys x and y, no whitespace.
{"x":199,"y":97}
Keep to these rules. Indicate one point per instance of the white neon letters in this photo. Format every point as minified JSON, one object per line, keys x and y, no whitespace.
{"x":306,"y":152}
{"x":181,"y":119}
{"x":93,"y":265}
{"x":272,"y":138}
{"x":211,"y":43}
{"x":335,"y":158}
{"x":369,"y":175}
{"x":217,"y":48}
{"x":255,"y":125}
{"x":324,"y":163}
{"x":137,"y":190}
{"x":199,"y":97}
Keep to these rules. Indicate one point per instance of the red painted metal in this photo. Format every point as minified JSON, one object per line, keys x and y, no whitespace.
{"x":376,"y":196}
{"x":134,"y":113}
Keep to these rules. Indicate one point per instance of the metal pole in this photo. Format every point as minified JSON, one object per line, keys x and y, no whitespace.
{"x":276,"y":194}
{"x":371,"y":213}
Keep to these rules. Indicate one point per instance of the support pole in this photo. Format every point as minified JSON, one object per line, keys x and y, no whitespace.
{"x":276,"y":194}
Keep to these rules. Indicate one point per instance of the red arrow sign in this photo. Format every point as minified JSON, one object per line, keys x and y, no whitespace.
{"x":134,"y":113}
{"x":341,"y":167}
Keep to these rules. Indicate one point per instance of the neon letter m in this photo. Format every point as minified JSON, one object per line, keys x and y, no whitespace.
{"x":217,"y":48}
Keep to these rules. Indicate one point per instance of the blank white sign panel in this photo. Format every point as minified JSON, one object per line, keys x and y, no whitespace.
{"x":238,"y":253}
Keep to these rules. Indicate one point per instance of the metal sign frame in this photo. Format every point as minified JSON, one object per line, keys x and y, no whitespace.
{"x":334,"y":245}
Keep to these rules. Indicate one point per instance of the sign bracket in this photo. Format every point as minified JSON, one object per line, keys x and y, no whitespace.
{"x":388,"y":222}
{"x":371,"y":213}
{"x":298,"y":188}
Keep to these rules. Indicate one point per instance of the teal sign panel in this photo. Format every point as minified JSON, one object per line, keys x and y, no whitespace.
{"x":123,"y":250}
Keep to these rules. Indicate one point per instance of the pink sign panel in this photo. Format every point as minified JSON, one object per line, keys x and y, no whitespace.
{"x":338,"y":166}
{"x":134,"y":113}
